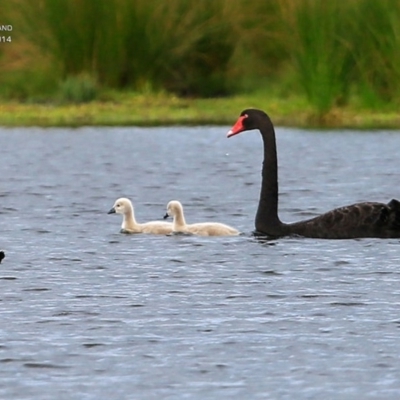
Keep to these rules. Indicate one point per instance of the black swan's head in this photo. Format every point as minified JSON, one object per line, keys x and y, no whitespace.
{"x":249,"y":119}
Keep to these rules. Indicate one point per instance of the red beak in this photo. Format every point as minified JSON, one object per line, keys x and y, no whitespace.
{"x":238,"y":127}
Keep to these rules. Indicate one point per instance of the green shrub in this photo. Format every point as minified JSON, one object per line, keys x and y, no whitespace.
{"x":78,"y":89}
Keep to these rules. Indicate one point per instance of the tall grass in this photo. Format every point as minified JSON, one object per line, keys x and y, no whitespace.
{"x":181,"y":46}
{"x":81,"y":36}
{"x":376,"y":51}
{"x":330,"y":52}
{"x":345,"y":49}
{"x":260,"y":44}
{"x":320,"y":50}
{"x":177,"y":45}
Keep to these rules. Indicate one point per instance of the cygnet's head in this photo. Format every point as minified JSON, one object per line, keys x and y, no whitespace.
{"x":121,"y":206}
{"x":174,"y":207}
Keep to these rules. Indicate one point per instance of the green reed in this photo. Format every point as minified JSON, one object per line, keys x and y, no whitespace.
{"x":179,"y":46}
{"x":376,"y":44}
{"x":320,"y":51}
{"x":175,"y":45}
{"x":333,"y":53}
{"x":344,"y":51}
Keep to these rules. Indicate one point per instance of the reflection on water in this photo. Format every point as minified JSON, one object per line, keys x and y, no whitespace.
{"x":88,"y":310}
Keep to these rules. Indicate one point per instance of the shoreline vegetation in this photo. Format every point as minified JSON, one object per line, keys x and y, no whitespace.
{"x":307,"y":63}
{"x":168,"y":110}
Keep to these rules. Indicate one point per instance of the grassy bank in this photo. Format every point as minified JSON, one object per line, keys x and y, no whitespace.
{"x":165,"y":109}
{"x":317,"y":62}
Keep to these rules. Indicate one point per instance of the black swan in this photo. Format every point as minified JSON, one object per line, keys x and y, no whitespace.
{"x":369,"y":219}
{"x":2,"y":255}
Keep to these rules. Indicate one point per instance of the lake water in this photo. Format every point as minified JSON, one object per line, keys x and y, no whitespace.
{"x":89,"y":313}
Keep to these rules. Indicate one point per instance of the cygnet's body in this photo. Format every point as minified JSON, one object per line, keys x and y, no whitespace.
{"x":175,"y":210}
{"x":129,"y":225}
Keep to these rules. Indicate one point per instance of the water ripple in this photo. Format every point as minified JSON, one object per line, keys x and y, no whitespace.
{"x":88,"y":310}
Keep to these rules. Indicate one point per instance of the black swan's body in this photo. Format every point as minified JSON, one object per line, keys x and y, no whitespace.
{"x":376,"y":220}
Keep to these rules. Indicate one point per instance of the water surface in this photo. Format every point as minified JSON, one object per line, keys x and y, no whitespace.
{"x":89,"y":313}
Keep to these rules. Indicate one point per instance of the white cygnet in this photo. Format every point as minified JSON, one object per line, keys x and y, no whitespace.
{"x":129,"y":225}
{"x":175,"y":210}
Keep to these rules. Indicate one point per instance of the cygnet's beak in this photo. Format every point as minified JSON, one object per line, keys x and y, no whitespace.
{"x":166,"y":215}
{"x":112,"y":211}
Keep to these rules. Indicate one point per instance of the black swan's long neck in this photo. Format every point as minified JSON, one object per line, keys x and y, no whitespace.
{"x":267,"y":220}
